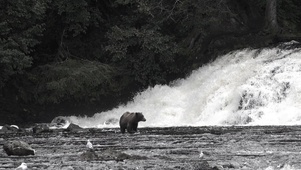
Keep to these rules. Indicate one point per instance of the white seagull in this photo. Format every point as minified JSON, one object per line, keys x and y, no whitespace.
{"x":204,"y":154}
{"x":201,"y":154}
{"x":23,"y":166}
{"x":89,"y":145}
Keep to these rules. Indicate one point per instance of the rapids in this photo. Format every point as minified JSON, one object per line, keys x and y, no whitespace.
{"x":244,"y":87}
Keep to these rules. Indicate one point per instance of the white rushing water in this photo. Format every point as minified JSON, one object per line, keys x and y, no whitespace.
{"x":245,"y":87}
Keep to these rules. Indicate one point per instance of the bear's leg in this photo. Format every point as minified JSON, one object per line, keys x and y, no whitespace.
{"x":122,"y":130}
{"x":135,"y":125}
{"x":130,"y":128}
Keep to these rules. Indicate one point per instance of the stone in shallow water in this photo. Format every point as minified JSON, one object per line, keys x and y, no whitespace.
{"x":88,"y":155}
{"x":41,"y":127}
{"x":75,"y":128}
{"x":115,"y":155}
{"x":17,"y":147}
{"x":203,"y":165}
{"x":60,"y":122}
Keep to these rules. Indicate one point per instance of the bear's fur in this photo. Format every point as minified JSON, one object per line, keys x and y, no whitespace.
{"x":129,"y":121}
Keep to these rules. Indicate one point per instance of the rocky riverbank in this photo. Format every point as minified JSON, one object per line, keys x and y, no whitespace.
{"x":257,"y":147}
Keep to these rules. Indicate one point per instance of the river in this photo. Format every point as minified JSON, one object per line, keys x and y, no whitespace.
{"x":223,"y":147}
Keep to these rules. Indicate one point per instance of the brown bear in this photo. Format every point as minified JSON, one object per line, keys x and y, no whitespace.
{"x":130,"y":121}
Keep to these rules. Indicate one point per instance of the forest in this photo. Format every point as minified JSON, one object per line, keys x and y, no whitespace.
{"x":78,"y":57}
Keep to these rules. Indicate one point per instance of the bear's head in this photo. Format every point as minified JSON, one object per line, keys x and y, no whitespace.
{"x":140,"y":117}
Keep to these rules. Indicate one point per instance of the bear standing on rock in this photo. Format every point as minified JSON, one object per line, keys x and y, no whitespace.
{"x":130,"y":121}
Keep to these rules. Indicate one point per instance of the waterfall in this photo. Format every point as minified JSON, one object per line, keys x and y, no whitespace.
{"x":243,"y":87}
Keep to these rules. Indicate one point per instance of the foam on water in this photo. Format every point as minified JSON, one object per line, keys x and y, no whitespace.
{"x":246,"y":87}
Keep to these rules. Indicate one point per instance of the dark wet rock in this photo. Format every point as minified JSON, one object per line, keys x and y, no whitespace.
{"x":57,"y":123}
{"x":89,"y":155}
{"x":75,"y":128}
{"x":137,"y":157}
{"x":203,"y":165}
{"x":228,"y":166}
{"x":60,"y":122}
{"x":110,"y":154}
{"x":122,"y":156}
{"x":41,"y":127}
{"x":67,"y":168}
{"x":92,"y":130}
{"x":17,"y":147}
{"x":163,"y":157}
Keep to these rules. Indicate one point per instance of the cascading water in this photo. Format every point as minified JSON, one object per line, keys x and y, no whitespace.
{"x":245,"y":87}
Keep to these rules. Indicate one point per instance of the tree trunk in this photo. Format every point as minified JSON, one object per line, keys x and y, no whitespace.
{"x":271,"y":24}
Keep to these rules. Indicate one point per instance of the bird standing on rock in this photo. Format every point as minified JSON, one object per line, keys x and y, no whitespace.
{"x":201,"y":154}
{"x":89,"y":145}
{"x":23,"y":166}
{"x":204,"y":154}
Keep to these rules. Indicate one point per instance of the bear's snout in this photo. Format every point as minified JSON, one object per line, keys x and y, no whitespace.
{"x":143,"y":120}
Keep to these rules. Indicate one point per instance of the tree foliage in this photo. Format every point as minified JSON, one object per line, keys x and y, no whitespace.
{"x":143,"y":52}
{"x":73,"y":80}
{"x":289,"y":15}
{"x":20,"y":29}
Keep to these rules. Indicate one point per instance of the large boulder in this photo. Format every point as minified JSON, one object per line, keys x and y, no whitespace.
{"x":110,"y":154}
{"x":89,"y":155}
{"x":75,"y":128}
{"x":17,"y":147}
{"x":60,"y":122}
{"x":203,"y":165}
{"x":41,"y":127}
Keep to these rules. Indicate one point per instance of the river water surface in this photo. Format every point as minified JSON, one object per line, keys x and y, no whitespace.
{"x":223,"y":147}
